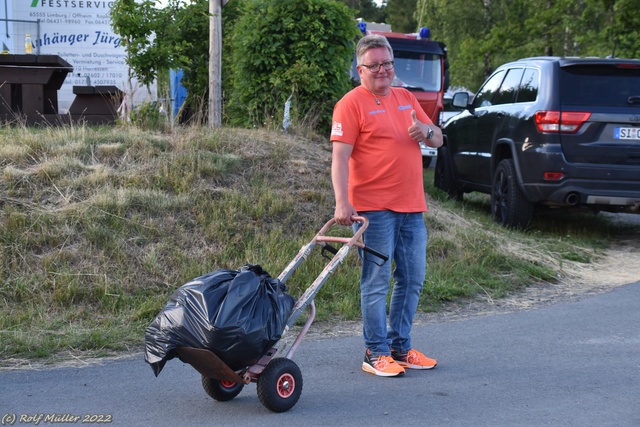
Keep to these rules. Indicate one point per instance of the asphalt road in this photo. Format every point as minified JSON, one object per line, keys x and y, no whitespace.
{"x":624,"y":218}
{"x":570,"y":364}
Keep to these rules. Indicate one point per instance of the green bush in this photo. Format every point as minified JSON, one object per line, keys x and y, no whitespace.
{"x":290,"y":48}
{"x":147,"y":115}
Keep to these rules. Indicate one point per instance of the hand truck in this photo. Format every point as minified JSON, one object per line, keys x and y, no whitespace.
{"x":279,"y":380}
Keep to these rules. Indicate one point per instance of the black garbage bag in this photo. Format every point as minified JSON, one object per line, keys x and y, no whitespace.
{"x":237,"y":314}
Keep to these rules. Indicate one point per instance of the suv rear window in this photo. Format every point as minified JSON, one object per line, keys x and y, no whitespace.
{"x":605,"y":85}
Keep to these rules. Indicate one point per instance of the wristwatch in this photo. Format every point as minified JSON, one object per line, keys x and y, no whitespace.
{"x":430,"y":133}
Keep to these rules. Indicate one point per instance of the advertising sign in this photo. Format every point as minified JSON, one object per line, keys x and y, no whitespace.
{"x":79,"y":31}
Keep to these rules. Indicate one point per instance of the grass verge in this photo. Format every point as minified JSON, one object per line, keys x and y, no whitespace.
{"x":98,"y":226}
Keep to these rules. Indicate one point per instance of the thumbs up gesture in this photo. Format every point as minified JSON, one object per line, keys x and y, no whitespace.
{"x":419,"y":131}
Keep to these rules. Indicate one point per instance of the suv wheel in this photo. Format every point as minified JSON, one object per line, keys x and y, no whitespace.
{"x":443,"y":177}
{"x":509,"y":207}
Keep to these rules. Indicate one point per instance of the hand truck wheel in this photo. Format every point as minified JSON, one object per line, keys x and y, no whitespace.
{"x":221,"y":390}
{"x":280,"y":385}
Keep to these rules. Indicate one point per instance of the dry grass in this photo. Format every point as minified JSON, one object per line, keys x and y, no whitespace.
{"x":99,"y":226}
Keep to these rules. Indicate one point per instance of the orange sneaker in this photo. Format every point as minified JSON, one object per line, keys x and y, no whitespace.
{"x":382,"y":366}
{"x":413,"y":359}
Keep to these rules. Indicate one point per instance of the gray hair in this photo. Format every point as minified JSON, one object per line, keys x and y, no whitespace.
{"x":371,"y":41}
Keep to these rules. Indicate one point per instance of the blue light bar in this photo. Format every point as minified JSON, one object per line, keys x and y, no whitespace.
{"x":425,"y":33}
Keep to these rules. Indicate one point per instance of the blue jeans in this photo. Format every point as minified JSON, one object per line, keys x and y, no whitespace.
{"x":403,"y":237}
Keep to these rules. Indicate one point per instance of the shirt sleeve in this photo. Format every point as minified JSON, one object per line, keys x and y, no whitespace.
{"x":345,"y":123}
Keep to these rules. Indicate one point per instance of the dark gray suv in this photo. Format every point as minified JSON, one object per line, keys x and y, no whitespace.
{"x":547,"y":132}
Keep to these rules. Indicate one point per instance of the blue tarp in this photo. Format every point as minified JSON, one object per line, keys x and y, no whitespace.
{"x":178,"y":92}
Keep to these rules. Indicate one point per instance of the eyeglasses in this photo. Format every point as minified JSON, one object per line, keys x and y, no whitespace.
{"x":374,"y":68}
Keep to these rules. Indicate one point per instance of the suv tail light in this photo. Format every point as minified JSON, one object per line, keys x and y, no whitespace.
{"x":560,"y":121}
{"x":553,"y":176}
{"x":628,"y":66}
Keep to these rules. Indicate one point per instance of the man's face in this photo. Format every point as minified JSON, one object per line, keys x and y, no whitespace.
{"x":378,"y":82}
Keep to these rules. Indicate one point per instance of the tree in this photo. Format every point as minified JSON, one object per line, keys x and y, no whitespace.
{"x":303,"y":49}
{"x":624,"y":31}
{"x":400,"y":14}
{"x":290,"y":49}
{"x":483,"y":34}
{"x":367,"y":10}
{"x":462,"y":25}
{"x":160,"y":39}
{"x":140,"y":26}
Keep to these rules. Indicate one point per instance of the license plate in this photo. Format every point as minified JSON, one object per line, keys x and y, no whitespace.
{"x":626,"y":133}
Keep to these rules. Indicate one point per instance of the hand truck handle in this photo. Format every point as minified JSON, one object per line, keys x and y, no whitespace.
{"x":365,"y":224}
{"x":356,"y":240}
{"x":380,"y":255}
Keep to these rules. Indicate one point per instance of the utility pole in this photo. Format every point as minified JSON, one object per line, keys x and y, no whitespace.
{"x":215,"y":63}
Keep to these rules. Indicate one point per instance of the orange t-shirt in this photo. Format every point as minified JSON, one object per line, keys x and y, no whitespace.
{"x":385,"y":167}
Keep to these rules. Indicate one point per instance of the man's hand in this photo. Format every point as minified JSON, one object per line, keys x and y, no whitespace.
{"x":343,"y":214}
{"x":419,"y":131}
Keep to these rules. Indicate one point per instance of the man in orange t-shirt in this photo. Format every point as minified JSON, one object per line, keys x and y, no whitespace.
{"x":377,"y":172}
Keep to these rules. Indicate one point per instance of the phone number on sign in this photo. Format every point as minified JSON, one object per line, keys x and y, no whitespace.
{"x":36,"y":419}
{"x":83,"y":81}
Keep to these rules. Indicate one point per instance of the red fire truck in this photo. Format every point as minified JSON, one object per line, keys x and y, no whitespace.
{"x":421,"y":66}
